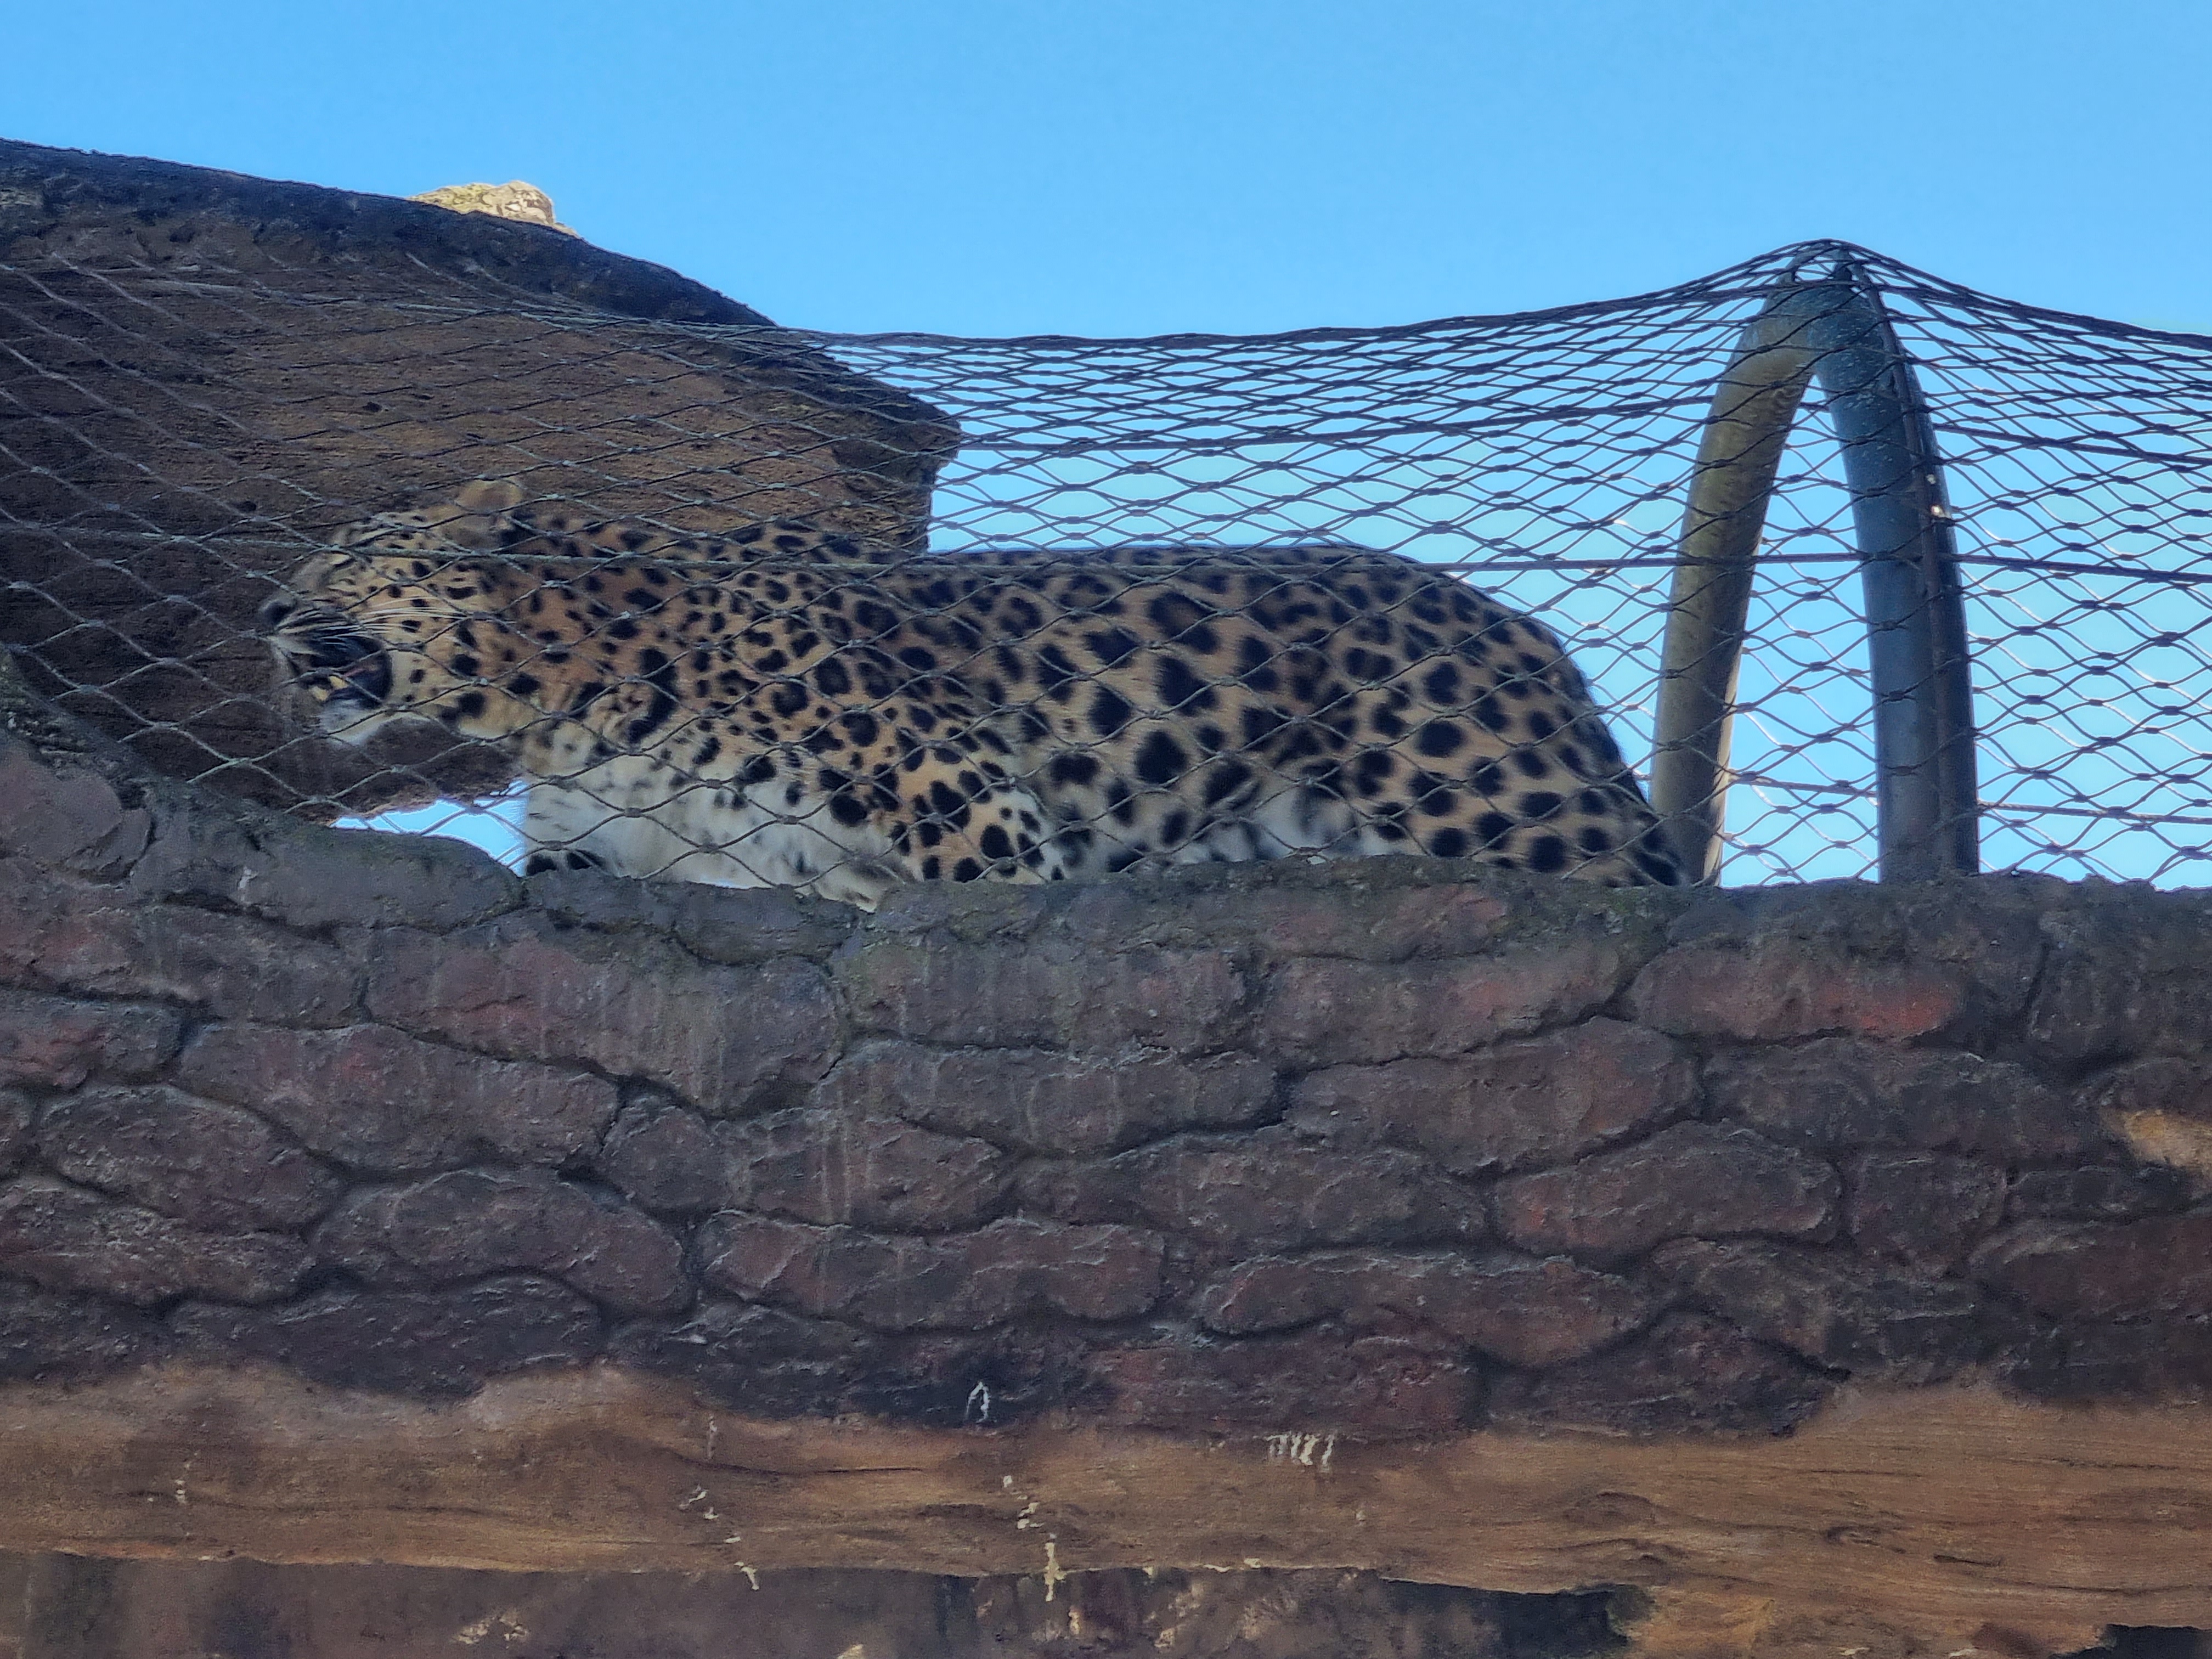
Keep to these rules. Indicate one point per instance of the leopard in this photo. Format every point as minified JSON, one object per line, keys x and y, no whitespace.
{"x":783,"y":705}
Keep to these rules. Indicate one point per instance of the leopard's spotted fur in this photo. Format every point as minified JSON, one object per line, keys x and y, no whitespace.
{"x":782,"y":706}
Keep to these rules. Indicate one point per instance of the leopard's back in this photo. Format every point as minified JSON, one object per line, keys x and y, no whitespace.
{"x":779,"y":705}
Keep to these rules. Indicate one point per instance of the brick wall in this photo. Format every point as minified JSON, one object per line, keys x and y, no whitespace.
{"x":1389,"y":1148}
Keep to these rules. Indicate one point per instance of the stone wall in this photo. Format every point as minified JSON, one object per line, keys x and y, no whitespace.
{"x":1390,"y":1148}
{"x":1817,"y":1267}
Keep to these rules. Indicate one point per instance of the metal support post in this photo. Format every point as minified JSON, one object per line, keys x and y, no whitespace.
{"x":1837,"y":330}
{"x":1924,"y":710}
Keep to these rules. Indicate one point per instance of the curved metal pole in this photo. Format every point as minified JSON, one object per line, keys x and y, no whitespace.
{"x":1923,"y":728}
{"x":1753,"y":409}
{"x":1925,"y":800}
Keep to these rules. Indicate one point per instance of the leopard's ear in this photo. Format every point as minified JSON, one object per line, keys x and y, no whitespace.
{"x":475,"y":518}
{"x":488,"y":495}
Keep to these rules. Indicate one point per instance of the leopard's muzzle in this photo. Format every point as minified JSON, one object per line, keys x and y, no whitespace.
{"x":347,"y":670}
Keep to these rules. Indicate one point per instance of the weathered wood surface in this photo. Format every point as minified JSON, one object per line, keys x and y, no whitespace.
{"x":63,"y":1606}
{"x":1931,"y":1516}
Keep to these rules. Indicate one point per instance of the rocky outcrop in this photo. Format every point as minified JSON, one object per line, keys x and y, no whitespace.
{"x":514,"y":199}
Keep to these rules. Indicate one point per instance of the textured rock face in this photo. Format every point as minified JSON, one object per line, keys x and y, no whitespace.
{"x":512,"y":200}
{"x":208,"y":372}
{"x":1379,"y":1149}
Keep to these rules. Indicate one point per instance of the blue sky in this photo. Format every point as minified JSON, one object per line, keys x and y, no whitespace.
{"x":1129,"y":166}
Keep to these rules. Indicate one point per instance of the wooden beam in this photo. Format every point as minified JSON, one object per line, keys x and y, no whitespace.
{"x":1954,"y":1515}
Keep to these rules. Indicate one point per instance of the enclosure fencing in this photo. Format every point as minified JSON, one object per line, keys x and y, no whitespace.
{"x":1869,"y":572}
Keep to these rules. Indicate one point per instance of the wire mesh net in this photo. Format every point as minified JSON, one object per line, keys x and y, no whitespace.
{"x":173,"y":450}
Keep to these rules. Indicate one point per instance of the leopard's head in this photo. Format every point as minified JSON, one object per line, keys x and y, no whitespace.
{"x":403,"y":624}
